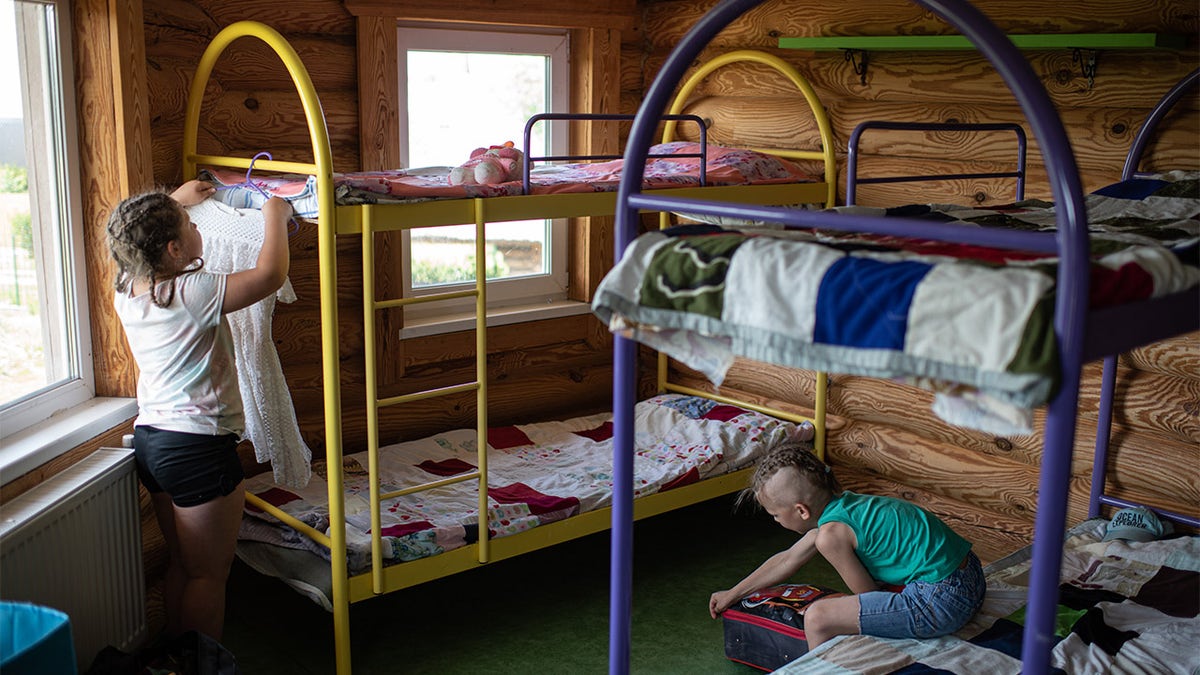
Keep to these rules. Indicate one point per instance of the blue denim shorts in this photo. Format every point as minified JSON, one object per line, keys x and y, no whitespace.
{"x":192,"y":468}
{"x":924,"y":609}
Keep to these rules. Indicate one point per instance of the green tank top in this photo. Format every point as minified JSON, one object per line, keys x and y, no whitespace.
{"x":898,"y":541}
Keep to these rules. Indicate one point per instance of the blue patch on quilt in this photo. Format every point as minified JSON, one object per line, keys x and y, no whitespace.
{"x":865,"y":303}
{"x":415,"y":546}
{"x":692,"y":406}
{"x":1003,"y":636}
{"x":1134,"y":188}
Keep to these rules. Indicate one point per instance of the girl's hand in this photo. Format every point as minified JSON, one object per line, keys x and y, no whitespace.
{"x":277,"y":210}
{"x":193,"y":192}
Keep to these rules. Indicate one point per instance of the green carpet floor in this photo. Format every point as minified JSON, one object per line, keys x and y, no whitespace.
{"x":544,"y":612}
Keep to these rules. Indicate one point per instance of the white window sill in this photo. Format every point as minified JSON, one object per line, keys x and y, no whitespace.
{"x":502,"y":316}
{"x":28,"y":449}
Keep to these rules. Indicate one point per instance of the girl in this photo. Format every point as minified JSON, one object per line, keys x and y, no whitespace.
{"x":868,"y":539}
{"x":189,"y":408}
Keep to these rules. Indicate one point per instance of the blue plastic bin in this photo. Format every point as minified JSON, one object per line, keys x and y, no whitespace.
{"x":35,"y":640}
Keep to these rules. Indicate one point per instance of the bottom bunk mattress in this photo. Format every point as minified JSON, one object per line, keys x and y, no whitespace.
{"x":537,"y":474}
{"x":1124,"y":607}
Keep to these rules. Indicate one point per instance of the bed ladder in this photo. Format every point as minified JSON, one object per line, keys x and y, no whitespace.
{"x":374,"y":403}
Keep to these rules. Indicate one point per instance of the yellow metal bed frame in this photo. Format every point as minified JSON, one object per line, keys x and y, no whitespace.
{"x":362,"y":220}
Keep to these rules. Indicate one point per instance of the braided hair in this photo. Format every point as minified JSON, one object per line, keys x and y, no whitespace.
{"x":798,"y":457}
{"x":139,"y":230}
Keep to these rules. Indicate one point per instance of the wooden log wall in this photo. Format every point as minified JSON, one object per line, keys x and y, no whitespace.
{"x":748,"y":105}
{"x":883,"y":436}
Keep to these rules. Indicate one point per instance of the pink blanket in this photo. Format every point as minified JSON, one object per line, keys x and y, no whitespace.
{"x":725,"y":166}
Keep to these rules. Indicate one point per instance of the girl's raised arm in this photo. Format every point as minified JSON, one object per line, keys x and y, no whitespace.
{"x":247,"y":287}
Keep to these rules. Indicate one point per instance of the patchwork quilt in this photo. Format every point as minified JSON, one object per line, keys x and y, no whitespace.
{"x":963,"y":320}
{"x":1124,"y":607}
{"x":537,"y":474}
{"x":724,"y":166}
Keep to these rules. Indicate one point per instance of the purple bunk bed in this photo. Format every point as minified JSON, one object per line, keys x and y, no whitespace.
{"x":1079,"y":333}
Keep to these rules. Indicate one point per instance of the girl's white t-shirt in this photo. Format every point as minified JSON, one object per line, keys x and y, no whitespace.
{"x":188,"y":379}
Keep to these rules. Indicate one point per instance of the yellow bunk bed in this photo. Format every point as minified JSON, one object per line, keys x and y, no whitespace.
{"x":335,"y":221}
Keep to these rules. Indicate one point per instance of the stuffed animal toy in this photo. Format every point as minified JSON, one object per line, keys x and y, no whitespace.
{"x":489,"y":166}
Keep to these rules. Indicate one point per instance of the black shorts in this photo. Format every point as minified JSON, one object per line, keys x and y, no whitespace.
{"x":192,"y":468}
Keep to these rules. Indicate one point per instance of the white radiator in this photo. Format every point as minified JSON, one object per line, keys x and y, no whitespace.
{"x":74,"y":543}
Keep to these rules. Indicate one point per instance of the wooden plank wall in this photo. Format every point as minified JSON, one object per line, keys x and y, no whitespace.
{"x":883,"y":436}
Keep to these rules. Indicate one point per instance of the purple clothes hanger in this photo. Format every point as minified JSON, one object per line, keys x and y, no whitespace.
{"x":249,"y":183}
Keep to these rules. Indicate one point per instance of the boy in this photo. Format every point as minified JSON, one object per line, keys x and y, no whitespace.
{"x":869,"y":540}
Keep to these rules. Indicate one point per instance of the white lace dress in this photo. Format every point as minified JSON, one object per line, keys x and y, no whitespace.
{"x":232,"y":240}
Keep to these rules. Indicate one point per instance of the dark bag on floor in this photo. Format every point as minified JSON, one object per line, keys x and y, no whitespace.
{"x":766,"y":628}
{"x":192,"y":653}
{"x":202,"y":655}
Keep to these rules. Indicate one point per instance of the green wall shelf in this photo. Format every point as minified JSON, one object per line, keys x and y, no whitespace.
{"x":857,"y":47}
{"x":948,"y":42}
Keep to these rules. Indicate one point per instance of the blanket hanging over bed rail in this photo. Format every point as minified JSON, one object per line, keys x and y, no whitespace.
{"x":953,"y":318}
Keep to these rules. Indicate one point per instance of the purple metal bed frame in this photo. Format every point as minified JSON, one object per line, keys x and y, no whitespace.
{"x":1082,"y":335}
{"x":853,"y":180}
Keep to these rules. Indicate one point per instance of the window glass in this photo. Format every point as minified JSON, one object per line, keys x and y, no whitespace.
{"x":42,"y":364}
{"x":463,"y":90}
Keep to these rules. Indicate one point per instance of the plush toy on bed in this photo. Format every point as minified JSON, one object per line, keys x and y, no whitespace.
{"x":489,"y":166}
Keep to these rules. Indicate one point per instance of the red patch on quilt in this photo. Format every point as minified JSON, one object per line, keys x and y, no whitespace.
{"x":507,"y":437}
{"x":722,"y":413}
{"x":446,"y":467}
{"x":275,"y":497}
{"x":692,"y":476}
{"x":520,"y":493}
{"x":1127,"y":283}
{"x":406,"y":528}
{"x":599,"y":434}
{"x":964,"y":251}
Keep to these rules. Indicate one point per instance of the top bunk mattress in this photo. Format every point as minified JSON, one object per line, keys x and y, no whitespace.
{"x":974,"y":324}
{"x":724,"y":166}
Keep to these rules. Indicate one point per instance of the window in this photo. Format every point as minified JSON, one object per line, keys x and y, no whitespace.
{"x":45,"y":352}
{"x":461,"y":90}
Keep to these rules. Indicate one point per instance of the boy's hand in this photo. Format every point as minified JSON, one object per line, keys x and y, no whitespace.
{"x":719,"y":602}
{"x":193,"y":192}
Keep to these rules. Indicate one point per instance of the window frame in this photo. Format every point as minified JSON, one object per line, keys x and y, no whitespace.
{"x":64,"y":245}
{"x":535,"y":290}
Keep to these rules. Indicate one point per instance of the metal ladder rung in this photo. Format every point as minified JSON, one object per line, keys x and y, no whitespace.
{"x":429,"y":486}
{"x":429,"y":393}
{"x":421,"y":299}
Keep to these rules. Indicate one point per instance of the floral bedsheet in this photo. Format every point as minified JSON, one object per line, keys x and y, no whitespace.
{"x":537,"y":474}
